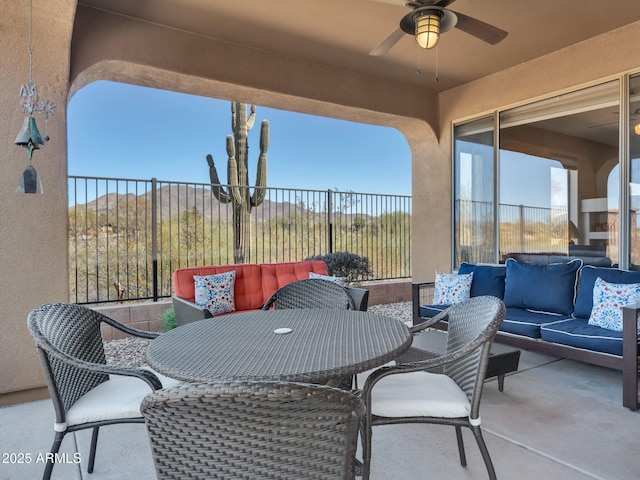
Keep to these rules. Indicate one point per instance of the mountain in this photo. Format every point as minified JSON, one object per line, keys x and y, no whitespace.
{"x":180,"y":198}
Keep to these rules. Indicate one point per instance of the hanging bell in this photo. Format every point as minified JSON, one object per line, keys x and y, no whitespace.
{"x":29,"y":181}
{"x":29,"y":136}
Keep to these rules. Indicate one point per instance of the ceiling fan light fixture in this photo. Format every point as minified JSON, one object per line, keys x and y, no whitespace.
{"x":428,"y":30}
{"x":636,"y":129}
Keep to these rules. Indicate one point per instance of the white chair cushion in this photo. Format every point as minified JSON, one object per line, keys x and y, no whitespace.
{"x":117,"y":398}
{"x":166,"y":382}
{"x":419,"y":394}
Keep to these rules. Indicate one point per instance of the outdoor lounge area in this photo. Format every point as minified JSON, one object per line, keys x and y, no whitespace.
{"x":555,"y":419}
{"x":523,"y":129}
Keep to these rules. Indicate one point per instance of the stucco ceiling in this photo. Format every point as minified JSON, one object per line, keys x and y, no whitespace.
{"x":341,"y":33}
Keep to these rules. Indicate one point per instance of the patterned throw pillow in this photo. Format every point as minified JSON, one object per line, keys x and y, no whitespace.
{"x":338,"y":280}
{"x":215,"y":292}
{"x":608,"y":300}
{"x":452,"y":288}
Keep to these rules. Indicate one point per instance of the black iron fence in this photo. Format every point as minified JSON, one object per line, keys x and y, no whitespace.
{"x":521,"y":229}
{"x":126,"y":236}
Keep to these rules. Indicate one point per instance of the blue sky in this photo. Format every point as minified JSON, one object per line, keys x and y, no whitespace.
{"x":126,"y":131}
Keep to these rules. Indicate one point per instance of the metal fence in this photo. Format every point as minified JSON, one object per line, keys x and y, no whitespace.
{"x":521,"y":229}
{"x":126,"y":236}
{"x":534,"y":229}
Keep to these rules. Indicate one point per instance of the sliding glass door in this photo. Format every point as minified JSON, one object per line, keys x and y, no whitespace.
{"x":553,"y":186}
{"x":633,"y":129}
{"x":559,"y":189}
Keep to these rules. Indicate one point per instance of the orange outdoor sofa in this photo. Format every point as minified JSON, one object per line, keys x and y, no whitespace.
{"x":254,"y":285}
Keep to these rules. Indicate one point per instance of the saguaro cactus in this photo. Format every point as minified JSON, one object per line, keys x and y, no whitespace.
{"x":238,"y":193}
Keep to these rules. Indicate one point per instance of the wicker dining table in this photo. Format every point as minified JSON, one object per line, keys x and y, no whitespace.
{"x":306,"y":345}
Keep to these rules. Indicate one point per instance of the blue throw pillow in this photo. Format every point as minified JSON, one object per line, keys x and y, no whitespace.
{"x":588,"y":275}
{"x":548,"y":288}
{"x":487,"y":279}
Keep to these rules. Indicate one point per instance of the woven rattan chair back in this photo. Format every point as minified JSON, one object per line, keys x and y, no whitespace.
{"x":253,"y":431}
{"x":70,"y":347}
{"x":311,"y":293}
{"x":74,"y":331}
{"x":476,"y":320}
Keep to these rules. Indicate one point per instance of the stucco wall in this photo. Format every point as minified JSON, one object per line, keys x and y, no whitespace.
{"x":33,"y":228}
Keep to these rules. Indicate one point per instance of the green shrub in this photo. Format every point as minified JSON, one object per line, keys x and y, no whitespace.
{"x":352,"y":267}
{"x":168,"y":318}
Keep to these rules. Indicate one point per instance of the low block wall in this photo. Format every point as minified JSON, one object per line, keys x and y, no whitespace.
{"x":389,"y":292}
{"x":146,"y":316}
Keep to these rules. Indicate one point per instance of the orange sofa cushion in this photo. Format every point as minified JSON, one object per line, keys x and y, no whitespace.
{"x":254,"y":283}
{"x":276,"y":275}
{"x":247,"y":290}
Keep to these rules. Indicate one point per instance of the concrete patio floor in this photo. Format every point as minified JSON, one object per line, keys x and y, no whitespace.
{"x":556,"y":419}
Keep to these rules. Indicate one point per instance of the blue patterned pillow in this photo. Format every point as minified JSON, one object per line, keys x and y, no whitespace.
{"x":215,"y":292}
{"x":452,"y":288}
{"x":588,"y":276}
{"x":608,"y":300}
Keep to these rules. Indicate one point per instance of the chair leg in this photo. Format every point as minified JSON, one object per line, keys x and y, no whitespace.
{"x":485,"y":452}
{"x":57,"y":440}
{"x":365,"y":436}
{"x":92,"y":451}
{"x":366,"y":469}
{"x":463,"y":457}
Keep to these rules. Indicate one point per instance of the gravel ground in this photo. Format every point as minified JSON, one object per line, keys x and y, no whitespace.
{"x":127,"y":351}
{"x":401,"y":311}
{"x":130,"y":351}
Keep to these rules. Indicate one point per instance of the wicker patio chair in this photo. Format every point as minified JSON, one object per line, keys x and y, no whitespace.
{"x":253,"y":430}
{"x":315,"y":293}
{"x":449,"y":391}
{"x":311,"y":293}
{"x":86,"y":392}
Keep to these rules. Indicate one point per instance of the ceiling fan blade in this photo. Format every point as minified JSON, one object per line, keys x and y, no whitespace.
{"x":400,"y":3}
{"x":422,"y":3}
{"x":387,"y":43}
{"x":405,"y":3}
{"x":479,"y":29}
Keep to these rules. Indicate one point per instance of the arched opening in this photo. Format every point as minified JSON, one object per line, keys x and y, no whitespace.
{"x":167,"y":135}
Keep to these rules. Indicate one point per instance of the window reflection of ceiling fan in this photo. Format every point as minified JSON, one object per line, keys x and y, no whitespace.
{"x":634,"y":118}
{"x":430,"y":18}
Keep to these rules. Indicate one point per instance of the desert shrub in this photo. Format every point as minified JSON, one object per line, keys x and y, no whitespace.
{"x":352,"y":267}
{"x":168,"y":318}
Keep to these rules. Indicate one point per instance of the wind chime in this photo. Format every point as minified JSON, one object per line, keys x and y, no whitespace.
{"x":29,"y":136}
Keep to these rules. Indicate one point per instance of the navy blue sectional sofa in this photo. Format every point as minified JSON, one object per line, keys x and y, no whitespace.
{"x":547,"y":310}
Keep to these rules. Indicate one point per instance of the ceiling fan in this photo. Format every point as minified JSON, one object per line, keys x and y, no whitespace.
{"x":430,"y":18}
